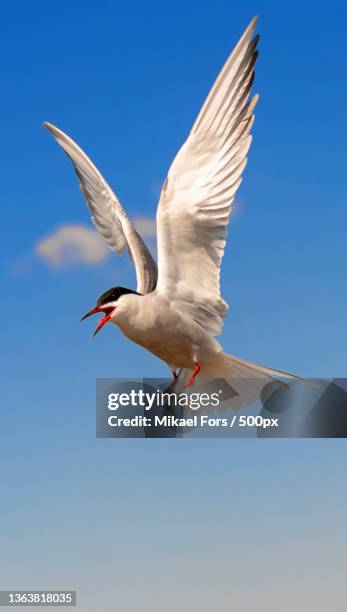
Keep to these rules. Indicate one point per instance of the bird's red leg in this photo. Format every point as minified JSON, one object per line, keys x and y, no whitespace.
{"x":193,"y":376}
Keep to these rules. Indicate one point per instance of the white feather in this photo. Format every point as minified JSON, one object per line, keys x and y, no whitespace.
{"x":195,"y":203}
{"x":107,"y":212}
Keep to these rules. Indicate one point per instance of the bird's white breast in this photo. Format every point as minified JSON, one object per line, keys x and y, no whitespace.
{"x":153,"y":322}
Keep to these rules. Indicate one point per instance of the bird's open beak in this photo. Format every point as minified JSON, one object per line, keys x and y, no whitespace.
{"x":107,"y":315}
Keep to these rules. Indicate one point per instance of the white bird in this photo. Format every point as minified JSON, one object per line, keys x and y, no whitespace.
{"x":177,"y":311}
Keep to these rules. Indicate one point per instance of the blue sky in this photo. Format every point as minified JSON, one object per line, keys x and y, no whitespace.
{"x":126,"y":81}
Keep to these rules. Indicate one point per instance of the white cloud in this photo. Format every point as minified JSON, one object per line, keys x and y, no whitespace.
{"x":146,"y":227}
{"x":72,"y":244}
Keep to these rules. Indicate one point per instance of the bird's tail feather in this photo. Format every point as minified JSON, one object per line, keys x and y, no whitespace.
{"x":247,"y":367}
{"x":246,"y":378}
{"x":224,"y":366}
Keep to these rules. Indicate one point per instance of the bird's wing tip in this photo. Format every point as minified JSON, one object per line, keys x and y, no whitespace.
{"x":249,"y":31}
{"x":56,"y":132}
{"x":252,"y":25}
{"x":50,"y":127}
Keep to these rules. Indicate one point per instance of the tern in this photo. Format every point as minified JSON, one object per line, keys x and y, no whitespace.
{"x":177,"y":309}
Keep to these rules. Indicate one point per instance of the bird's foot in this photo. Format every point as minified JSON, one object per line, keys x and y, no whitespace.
{"x":193,"y":376}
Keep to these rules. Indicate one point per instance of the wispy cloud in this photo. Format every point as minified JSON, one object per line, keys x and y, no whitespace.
{"x":75,"y":244}
{"x":71,"y":245}
{"x":146,"y":227}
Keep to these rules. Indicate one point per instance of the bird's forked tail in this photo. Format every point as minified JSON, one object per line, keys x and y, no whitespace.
{"x":247,"y":379}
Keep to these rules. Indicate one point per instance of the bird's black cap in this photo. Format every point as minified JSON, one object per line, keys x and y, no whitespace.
{"x":113,"y":294}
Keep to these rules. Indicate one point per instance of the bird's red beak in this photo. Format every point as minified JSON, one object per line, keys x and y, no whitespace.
{"x":107,"y":311}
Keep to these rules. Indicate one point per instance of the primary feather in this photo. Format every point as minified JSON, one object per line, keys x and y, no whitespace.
{"x":195,"y":203}
{"x":107,"y":213}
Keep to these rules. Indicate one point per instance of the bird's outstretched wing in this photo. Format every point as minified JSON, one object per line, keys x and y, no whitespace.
{"x":108,"y":214}
{"x":195,"y":202}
